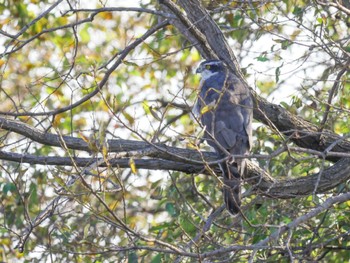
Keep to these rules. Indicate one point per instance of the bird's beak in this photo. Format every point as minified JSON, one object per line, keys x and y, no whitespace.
{"x":199,"y":70}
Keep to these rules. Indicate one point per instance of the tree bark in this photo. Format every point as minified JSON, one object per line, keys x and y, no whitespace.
{"x":162,"y":157}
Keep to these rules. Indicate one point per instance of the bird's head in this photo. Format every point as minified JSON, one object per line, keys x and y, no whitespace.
{"x":209,"y":68}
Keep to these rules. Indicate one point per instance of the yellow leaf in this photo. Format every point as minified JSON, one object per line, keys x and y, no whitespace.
{"x":207,"y":108}
{"x":104,"y":151}
{"x":93,"y":146}
{"x":132,"y":166}
{"x":295,"y":34}
{"x":191,"y":145}
{"x":107,"y":15}
{"x":57,"y":120}
{"x":85,"y":139}
{"x":155,"y":114}
{"x":195,"y":56}
{"x":127,"y":116}
{"x":91,"y":142}
{"x":129,"y":63}
{"x":113,"y":205}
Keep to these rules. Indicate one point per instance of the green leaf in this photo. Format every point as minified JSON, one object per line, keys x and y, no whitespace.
{"x":129,"y":63}
{"x":160,"y":227}
{"x":170,"y":208}
{"x":285,"y":44}
{"x":286,"y":219}
{"x":157,"y":259}
{"x":9,"y":187}
{"x":146,"y":107}
{"x":22,"y":10}
{"x":284,"y":104}
{"x":277,"y":73}
{"x":86,"y":231}
{"x":132,"y":258}
{"x":262,"y":58}
{"x":297,"y":11}
{"x":85,"y":35}
{"x":297,"y":102}
{"x":33,"y":191}
{"x":187,"y":225}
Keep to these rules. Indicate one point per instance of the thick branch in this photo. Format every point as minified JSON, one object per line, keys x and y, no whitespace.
{"x":147,"y":149}
{"x":184,"y":25}
{"x":337,"y":4}
{"x":298,"y":130}
{"x":161,"y":157}
{"x":201,"y":19}
{"x":149,"y":164}
{"x":302,"y":186}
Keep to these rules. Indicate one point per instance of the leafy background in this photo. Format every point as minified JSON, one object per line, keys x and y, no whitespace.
{"x":291,"y":53}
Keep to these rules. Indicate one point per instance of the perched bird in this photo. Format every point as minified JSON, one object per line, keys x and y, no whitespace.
{"x":225,"y":108}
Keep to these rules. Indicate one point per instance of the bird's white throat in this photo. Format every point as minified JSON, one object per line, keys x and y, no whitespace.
{"x":206,"y":74}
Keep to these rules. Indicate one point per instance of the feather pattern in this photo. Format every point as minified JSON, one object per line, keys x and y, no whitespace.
{"x":228,"y":123}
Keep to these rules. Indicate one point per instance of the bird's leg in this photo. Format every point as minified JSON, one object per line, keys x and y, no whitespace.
{"x":231,"y":160}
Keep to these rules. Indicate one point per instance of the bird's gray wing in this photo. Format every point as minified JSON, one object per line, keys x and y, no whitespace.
{"x":228,"y":128}
{"x":196,"y":109}
{"x":247,"y":112}
{"x":240,"y":97}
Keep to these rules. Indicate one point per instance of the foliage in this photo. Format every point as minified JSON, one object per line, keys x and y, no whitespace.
{"x":118,"y":70}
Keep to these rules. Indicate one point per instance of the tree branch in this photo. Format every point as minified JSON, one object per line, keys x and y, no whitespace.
{"x":332,"y":93}
{"x":335,"y":4}
{"x":296,"y":222}
{"x":162,"y":157}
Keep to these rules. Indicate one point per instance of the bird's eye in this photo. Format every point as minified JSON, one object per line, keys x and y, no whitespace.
{"x":207,"y":66}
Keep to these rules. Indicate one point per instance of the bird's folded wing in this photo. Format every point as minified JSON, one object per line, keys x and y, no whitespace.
{"x":225,"y":137}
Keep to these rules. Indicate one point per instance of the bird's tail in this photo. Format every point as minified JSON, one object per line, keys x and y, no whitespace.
{"x":232,"y":187}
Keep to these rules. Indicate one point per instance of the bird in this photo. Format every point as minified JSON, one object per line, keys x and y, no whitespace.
{"x":224,"y":107}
